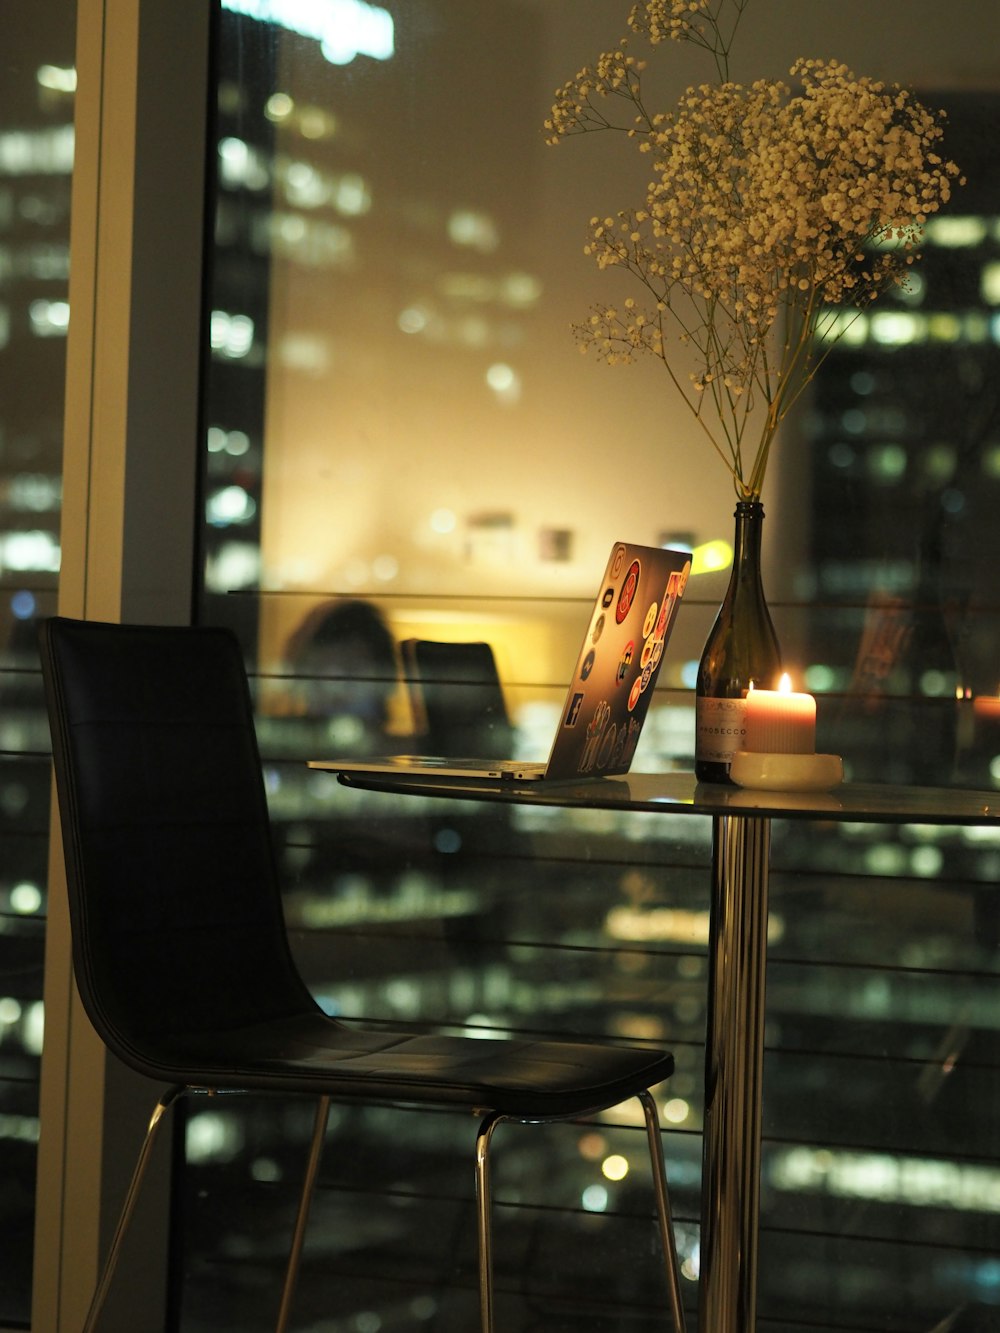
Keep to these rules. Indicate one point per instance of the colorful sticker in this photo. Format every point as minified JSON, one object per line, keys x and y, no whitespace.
{"x":608,"y":598}
{"x":598,"y":630}
{"x":595,"y":730}
{"x":661,"y":624}
{"x":606,"y":746}
{"x":629,"y":588}
{"x":625,"y":661}
{"x":618,"y":561}
{"x":634,"y":693}
{"x":649,"y":622}
{"x":573,"y":711}
{"x":588,"y":664}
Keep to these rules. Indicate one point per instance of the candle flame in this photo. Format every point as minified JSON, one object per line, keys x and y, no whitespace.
{"x":785,"y":683}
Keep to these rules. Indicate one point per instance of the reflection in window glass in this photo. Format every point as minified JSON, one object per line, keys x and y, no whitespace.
{"x":37,"y":83}
{"x":403,"y":443}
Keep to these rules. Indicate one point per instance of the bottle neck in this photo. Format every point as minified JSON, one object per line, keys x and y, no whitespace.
{"x":746,"y":545}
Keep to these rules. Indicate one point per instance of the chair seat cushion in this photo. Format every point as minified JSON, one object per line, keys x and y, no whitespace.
{"x":517,"y":1076}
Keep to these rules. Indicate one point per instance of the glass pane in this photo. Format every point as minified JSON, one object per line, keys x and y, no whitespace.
{"x":403,"y":443}
{"x":36,"y":157}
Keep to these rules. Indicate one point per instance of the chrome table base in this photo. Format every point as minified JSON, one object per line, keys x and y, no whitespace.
{"x":733,"y":1075}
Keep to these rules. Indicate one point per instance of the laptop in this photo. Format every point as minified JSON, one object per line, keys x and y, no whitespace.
{"x":609,"y":693}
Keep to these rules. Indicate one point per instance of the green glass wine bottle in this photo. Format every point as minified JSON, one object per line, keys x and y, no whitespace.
{"x":741,"y":650}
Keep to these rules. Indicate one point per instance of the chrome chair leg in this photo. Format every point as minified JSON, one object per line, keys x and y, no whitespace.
{"x":302,"y":1217}
{"x":485,"y":1232}
{"x":128,"y":1207}
{"x":663,"y":1209}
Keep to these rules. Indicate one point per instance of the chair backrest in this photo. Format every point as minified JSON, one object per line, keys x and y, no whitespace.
{"x":174,"y":901}
{"x":457,"y":693}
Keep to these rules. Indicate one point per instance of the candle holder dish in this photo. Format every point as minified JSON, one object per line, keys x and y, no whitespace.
{"x":786,"y":772}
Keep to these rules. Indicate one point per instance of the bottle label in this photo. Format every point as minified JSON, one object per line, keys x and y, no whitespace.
{"x":720,"y":727}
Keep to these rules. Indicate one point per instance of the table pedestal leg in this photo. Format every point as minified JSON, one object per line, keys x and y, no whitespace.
{"x":733,"y":1075}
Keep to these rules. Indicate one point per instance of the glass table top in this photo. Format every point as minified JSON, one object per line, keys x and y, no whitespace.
{"x":681,"y":793}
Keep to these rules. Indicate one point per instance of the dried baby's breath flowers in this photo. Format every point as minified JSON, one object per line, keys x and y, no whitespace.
{"x":770,"y":210}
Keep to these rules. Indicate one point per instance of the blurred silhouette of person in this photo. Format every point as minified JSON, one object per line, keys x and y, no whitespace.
{"x":344,"y":659}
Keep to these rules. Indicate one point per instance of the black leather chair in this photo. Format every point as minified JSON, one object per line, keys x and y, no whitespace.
{"x":458,"y":699}
{"x":179,"y":945}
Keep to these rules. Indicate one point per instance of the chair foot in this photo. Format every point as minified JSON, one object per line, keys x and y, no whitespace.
{"x":663,"y":1209}
{"x":302,"y":1217}
{"x":128,"y":1207}
{"x":484,"y":1208}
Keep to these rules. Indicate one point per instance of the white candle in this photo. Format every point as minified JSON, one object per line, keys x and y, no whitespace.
{"x":780,"y":721}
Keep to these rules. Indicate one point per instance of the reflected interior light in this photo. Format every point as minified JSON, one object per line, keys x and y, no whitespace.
{"x":37,"y":152}
{"x":344,"y":29}
{"x":266,"y":1170}
{"x":412,"y":320}
{"x":658,"y":923}
{"x":615,"y":1167}
{"x":989,"y":282}
{"x":25,"y":898}
{"x":33,"y":1028}
{"x":936,"y":684}
{"x":520,"y":289}
{"x":943,"y":327}
{"x":595,"y":1199}
{"x":505,"y":382}
{"x":976,"y":327}
{"x":233,"y":565}
{"x":315,"y":123}
{"x":467,"y":286}
{"x":49,"y":318}
{"x":232,"y":335}
{"x":231,"y":504}
{"x":443,"y":521}
{"x":279,"y":106}
{"x":56,"y":78}
{"x":592,"y":1146}
{"x":913,"y":288}
{"x":30,"y":550}
{"x":239,"y":164}
{"x":819,"y":678}
{"x":10,"y":1010}
{"x":289,"y":227}
{"x":887,"y":462}
{"x":476,"y":230}
{"x":385,"y":568}
{"x":897,"y":328}
{"x":710,"y":557}
{"x":352,"y":195}
{"x":676,"y":1111}
{"x":955,"y":232}
{"x":939,"y":462}
{"x":926,"y":862}
{"x":23,"y":604}
{"x":305,"y":185}
{"x":210,"y":1136}
{"x":926,"y":1182}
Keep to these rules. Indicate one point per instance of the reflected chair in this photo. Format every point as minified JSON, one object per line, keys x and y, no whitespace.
{"x":458,"y":698}
{"x":179,"y":945}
